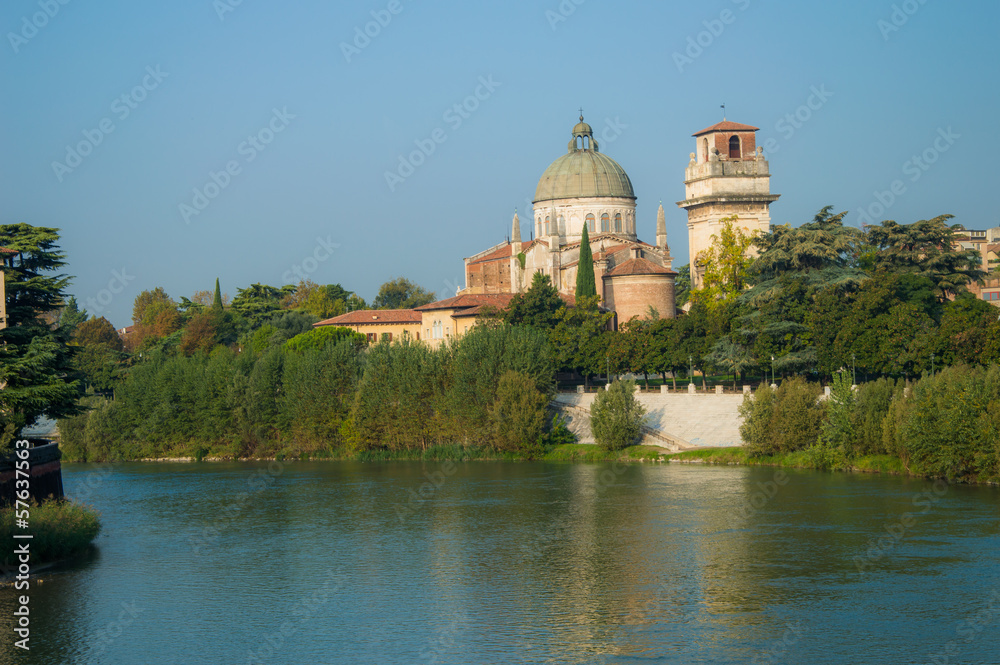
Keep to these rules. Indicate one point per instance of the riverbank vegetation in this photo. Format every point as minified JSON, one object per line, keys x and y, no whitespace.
{"x":60,"y":530}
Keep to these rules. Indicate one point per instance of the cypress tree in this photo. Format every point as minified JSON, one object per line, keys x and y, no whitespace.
{"x":585,"y":283}
{"x":217,"y":303}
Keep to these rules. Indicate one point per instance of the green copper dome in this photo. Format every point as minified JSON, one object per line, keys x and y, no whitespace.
{"x":583,"y":172}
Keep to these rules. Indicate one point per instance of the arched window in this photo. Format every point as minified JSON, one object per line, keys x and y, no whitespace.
{"x":734,"y":147}
{"x":605,"y":223}
{"x":590,"y":223}
{"x":704,"y":150}
{"x":618,"y":223}
{"x":539,"y":224}
{"x":546,"y":225}
{"x":562,"y":225}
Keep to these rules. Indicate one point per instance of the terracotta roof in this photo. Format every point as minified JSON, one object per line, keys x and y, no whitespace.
{"x":468,"y":300}
{"x":639,"y":267}
{"x":727,"y":126}
{"x":372,"y":317}
{"x":5,"y":250}
{"x":502,"y":253}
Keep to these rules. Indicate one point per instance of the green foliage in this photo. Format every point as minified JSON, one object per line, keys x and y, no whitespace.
{"x":59,"y":529}
{"x":517,"y":415}
{"x":837,"y":430}
{"x":616,"y":416}
{"x":71,"y":316}
{"x":401,"y":293}
{"x":217,"y":298}
{"x":578,"y":339}
{"x":259,"y":302}
{"x":319,"y":387}
{"x":756,"y":413}
{"x":537,"y":307}
{"x":36,"y":360}
{"x":586,"y":285}
{"x":682,"y":285}
{"x":726,"y":263}
{"x":926,"y":248}
{"x":323,"y":336}
{"x":787,"y":421}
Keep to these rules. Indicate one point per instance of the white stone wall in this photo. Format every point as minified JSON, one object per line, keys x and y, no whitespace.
{"x":570,"y":215}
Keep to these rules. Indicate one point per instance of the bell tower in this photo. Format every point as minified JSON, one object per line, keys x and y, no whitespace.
{"x":727,"y":175}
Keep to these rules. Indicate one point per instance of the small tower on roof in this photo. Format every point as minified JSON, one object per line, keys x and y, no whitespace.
{"x":727,"y":175}
{"x":515,"y":231}
{"x":661,"y":229}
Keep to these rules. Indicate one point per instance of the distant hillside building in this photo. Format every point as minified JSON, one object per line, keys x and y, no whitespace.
{"x":4,"y":255}
{"x":727,"y":175}
{"x":583,"y":187}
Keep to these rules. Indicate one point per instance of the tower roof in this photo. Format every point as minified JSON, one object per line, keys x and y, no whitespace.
{"x":583,"y":172}
{"x":727,"y":126}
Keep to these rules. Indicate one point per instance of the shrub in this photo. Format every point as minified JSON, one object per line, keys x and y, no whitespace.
{"x":798,"y":413}
{"x":59,"y":529}
{"x":616,"y":416}
{"x":517,"y":417}
{"x":756,"y":412}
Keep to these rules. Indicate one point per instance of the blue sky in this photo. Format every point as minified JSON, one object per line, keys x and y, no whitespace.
{"x":308,"y":129}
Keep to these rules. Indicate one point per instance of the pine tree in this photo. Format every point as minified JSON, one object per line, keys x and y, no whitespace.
{"x":585,"y":282}
{"x":217,"y":303}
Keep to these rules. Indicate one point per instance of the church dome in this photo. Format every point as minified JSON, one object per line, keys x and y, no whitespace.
{"x":583,"y":172}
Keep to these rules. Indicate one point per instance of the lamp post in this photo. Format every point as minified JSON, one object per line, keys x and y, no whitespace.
{"x":607,"y":367}
{"x":854,"y":371}
{"x":772,"y":370}
{"x":691,"y":371}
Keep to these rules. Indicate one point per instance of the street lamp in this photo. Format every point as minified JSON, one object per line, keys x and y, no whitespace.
{"x":607,"y":367}
{"x":691,"y":371}
{"x":772,"y":370}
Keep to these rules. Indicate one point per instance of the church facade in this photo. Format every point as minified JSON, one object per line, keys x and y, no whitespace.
{"x":583,"y":187}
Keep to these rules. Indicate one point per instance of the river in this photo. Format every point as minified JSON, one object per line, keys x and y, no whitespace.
{"x":340,"y":562}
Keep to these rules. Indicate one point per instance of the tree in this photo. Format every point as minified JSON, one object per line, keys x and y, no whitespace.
{"x":578,"y":339}
{"x":401,"y":293}
{"x":36,"y":360}
{"x":927,"y":248}
{"x":517,"y":415}
{"x":537,"y":307}
{"x":97,"y":331}
{"x":258,"y":302}
{"x":217,"y":304}
{"x":727,"y":263}
{"x":586,"y":284}
{"x":822,"y":252}
{"x":682,"y":285}
{"x":318,"y":338}
{"x":616,"y":416}
{"x":71,"y":315}
{"x":199,"y":334}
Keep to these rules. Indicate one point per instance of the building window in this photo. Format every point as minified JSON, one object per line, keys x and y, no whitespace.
{"x":562,"y":225}
{"x":438,"y":330}
{"x":734,"y":147}
{"x":386,"y":337}
{"x":547,"y":225}
{"x":590,"y":223}
{"x":605,"y":223}
{"x":618,"y":223}
{"x":371,"y":337}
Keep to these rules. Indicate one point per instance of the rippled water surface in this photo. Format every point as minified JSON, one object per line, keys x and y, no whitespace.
{"x":519,"y":563}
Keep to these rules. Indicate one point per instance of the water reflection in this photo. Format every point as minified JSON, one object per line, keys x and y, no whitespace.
{"x":492,"y":562}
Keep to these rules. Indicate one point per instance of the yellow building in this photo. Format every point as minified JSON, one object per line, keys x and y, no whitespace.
{"x":379,"y":324}
{"x":4,"y":254}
